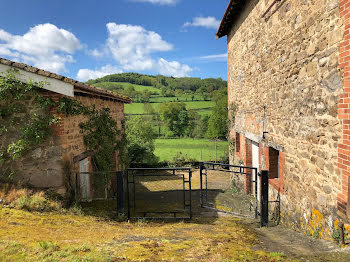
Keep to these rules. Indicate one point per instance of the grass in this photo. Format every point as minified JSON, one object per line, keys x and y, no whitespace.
{"x":167,"y":149}
{"x":183,"y":98}
{"x":138,"y":108}
{"x":66,"y":237}
{"x":94,"y":234}
{"x":111,"y":85}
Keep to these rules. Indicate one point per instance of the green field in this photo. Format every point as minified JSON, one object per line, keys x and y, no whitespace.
{"x":199,"y":149}
{"x":183,"y":98}
{"x":111,"y":85}
{"x":138,"y":108}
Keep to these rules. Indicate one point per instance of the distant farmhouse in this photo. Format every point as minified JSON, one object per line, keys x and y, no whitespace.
{"x":44,"y":166}
{"x":289,"y":92}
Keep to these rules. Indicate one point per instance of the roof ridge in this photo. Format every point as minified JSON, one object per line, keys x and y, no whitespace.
{"x":78,"y":84}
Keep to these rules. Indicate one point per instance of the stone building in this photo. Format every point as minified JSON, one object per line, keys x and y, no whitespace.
{"x":289,"y":92}
{"x":44,"y":167}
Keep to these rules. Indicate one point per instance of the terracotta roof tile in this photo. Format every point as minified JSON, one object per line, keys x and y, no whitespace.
{"x":77,"y":85}
{"x":19,"y":65}
{"x":5,"y":61}
{"x":31,"y":69}
{"x":43,"y":72}
{"x":233,"y":10}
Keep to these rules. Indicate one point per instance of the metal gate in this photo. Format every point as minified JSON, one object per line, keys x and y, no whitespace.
{"x":229,"y":188}
{"x":159,"y":193}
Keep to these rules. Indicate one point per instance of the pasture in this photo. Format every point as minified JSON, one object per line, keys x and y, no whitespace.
{"x":138,"y":108}
{"x":198,"y":149}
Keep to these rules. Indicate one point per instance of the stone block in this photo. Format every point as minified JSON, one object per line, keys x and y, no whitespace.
{"x":311,"y":69}
{"x":50,"y":178}
{"x":335,"y":36}
{"x":332,"y":82}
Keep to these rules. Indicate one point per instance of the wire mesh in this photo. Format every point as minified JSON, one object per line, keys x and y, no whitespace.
{"x":95,"y":185}
{"x":229,"y":189}
{"x":159,"y":193}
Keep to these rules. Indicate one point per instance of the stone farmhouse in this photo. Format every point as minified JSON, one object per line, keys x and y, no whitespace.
{"x":44,"y":167}
{"x":289,"y":94}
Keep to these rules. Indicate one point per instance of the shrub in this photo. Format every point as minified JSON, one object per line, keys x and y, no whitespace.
{"x":23,"y":198}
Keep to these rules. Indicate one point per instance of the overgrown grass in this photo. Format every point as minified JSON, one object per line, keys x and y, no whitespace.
{"x":23,"y":198}
{"x":26,"y":236}
{"x":199,"y":149}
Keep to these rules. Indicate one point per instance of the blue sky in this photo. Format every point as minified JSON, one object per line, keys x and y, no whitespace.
{"x":85,"y":39}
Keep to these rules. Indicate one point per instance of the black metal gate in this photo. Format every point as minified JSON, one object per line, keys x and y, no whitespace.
{"x":238,"y":191}
{"x":159,"y":193}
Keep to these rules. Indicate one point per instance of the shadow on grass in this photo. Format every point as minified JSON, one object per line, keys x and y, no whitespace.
{"x":150,"y":194}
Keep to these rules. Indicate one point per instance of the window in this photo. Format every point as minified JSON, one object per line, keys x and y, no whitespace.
{"x":238,"y":142}
{"x":273,"y":163}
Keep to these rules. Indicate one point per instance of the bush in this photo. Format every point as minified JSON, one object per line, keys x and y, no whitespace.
{"x":183,"y":160}
{"x":23,"y":198}
{"x":169,"y":134}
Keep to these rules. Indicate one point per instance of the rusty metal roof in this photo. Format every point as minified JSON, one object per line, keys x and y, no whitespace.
{"x":78,"y":86}
{"x":231,"y":13}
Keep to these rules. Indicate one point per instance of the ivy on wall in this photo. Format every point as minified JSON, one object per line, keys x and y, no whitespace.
{"x":100,"y":132}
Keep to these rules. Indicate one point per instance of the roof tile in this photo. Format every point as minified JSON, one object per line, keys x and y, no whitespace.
{"x":77,"y":84}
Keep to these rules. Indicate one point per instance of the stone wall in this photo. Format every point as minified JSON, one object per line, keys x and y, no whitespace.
{"x":288,"y":62}
{"x":70,"y":134}
{"x":40,"y":167}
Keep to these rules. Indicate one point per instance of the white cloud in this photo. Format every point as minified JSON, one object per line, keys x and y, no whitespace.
{"x":161,"y":2}
{"x":132,"y":48}
{"x":86,"y":74}
{"x":207,"y":22}
{"x":132,"y":45}
{"x":45,"y":46}
{"x":173,"y":68}
{"x":219,"y":57}
{"x":96,"y":53}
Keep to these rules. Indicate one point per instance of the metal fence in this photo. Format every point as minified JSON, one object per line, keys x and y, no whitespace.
{"x":242,"y":191}
{"x":159,"y":193}
{"x":229,"y":188}
{"x":96,"y":185}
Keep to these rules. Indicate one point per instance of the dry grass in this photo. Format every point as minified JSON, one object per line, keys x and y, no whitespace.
{"x":22,"y":198}
{"x":91,"y":234}
{"x":65,"y":237}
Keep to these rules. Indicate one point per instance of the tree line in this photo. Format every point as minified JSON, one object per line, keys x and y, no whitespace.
{"x":169,"y":86}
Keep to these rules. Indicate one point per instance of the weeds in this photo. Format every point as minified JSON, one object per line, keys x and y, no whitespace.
{"x":22,"y":198}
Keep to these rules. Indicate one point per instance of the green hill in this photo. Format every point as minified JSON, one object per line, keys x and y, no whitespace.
{"x":195,"y":92}
{"x":149,"y":92}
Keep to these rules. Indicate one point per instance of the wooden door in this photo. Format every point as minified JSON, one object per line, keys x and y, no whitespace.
{"x":84,"y":179}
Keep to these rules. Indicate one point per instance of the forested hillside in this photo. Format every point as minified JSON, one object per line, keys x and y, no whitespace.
{"x":166,"y":86}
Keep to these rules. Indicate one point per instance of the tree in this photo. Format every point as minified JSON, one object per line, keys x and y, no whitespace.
{"x":148,"y":108}
{"x":140,"y":137}
{"x":217,"y":123}
{"x":201,"y":128}
{"x":193,"y":119}
{"x":175,"y":115}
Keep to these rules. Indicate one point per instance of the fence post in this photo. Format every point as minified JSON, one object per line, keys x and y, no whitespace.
{"x":120,"y":191}
{"x":264,"y":198}
{"x":201,"y":183}
{"x":256,"y":192}
{"x":190,"y":190}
